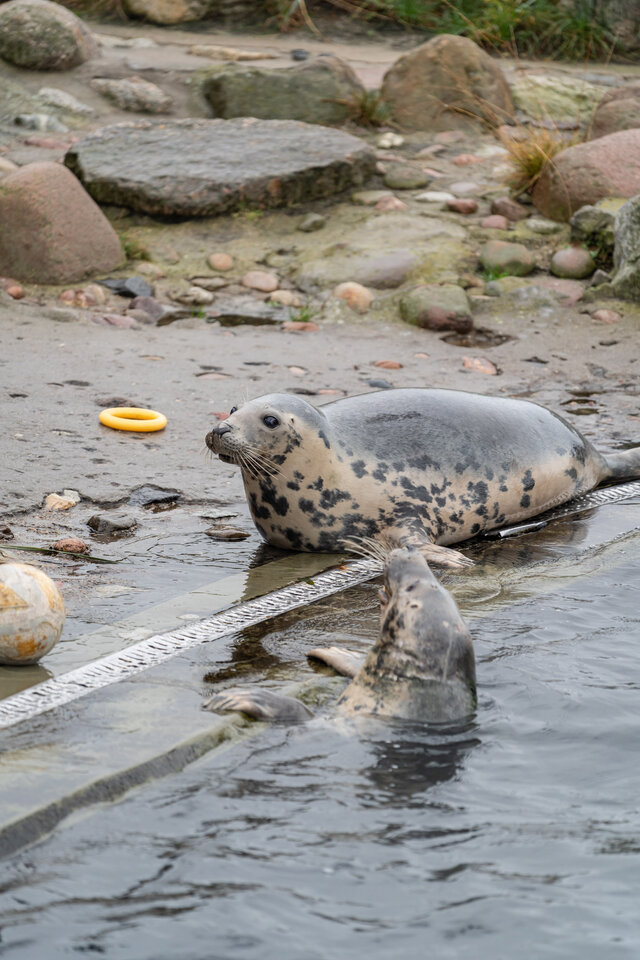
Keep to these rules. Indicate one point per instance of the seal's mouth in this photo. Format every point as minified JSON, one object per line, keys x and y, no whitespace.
{"x":225,"y":458}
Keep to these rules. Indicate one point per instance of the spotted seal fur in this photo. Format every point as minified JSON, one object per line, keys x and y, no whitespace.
{"x":423,"y":468}
{"x":422,"y":666}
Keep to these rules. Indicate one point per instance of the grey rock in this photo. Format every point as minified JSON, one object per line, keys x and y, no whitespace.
{"x":594,"y":226}
{"x":148,"y":305}
{"x":387,"y":271}
{"x":40,"y":121}
{"x":226,"y":533}
{"x":148,"y":495}
{"x":406,"y":177}
{"x":134,"y":94}
{"x":626,"y":255}
{"x":600,"y":276}
{"x":312,"y":222}
{"x":216,"y":165}
{"x":55,"y":97}
{"x":499,"y":256}
{"x":128,"y":286}
{"x":39,"y":35}
{"x":112,"y":524}
{"x":236,"y":311}
{"x":320,"y":90}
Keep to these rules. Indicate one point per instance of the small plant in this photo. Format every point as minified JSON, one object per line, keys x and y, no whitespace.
{"x":303,"y":314}
{"x":250,"y":215}
{"x":368,"y":109}
{"x":134,"y":249}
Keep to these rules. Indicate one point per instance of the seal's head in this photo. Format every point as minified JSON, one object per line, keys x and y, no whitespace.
{"x":264,"y":432}
{"x":422,"y":667}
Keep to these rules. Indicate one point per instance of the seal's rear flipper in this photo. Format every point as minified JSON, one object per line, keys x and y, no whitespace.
{"x":258,"y":704}
{"x":346,"y":662}
{"x":624,"y":465}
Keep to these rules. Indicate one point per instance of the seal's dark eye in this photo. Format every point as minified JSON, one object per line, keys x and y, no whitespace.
{"x":233,"y":410}
{"x":271,"y":422}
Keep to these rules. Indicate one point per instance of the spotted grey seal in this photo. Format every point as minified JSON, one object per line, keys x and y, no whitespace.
{"x":422,"y":667}
{"x":422,"y":468}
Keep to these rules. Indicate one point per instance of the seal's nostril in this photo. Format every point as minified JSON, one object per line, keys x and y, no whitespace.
{"x":221,"y":428}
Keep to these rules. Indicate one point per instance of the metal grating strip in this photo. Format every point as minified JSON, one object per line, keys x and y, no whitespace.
{"x":161,"y":647}
{"x":157,"y":649}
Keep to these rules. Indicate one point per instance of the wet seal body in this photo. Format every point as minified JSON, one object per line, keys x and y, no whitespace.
{"x":421,"y":668}
{"x":425,"y":468}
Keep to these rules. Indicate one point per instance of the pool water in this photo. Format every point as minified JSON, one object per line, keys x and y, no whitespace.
{"x":514,"y":835}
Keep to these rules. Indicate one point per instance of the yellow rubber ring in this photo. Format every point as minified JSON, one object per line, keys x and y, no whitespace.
{"x":133,"y":418}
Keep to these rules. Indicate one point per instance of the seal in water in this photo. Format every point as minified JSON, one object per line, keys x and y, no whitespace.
{"x":422,"y":667}
{"x":422,"y":468}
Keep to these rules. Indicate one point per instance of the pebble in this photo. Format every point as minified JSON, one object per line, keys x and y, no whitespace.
{"x":70,"y":545}
{"x":96,"y":292}
{"x":600,"y":276}
{"x":312,"y":222}
{"x":15,"y":291}
{"x":288,"y":298}
{"x":465,"y":159}
{"x":114,"y":320}
{"x":480,"y":365}
{"x":389,"y":204}
{"x":40,"y":121}
{"x":543,"y":226}
{"x":387,"y":141}
{"x":356,"y":295}
{"x":450,"y":136}
{"x":406,"y":177}
{"x":388,"y":364}
{"x":437,"y":307}
{"x":68,"y":499}
{"x":369,"y":198}
{"x":112,"y":523}
{"x":152,"y":270}
{"x":6,"y":533}
{"x":260,"y":280}
{"x":300,"y":326}
{"x":209,"y":283}
{"x":194,"y":296}
{"x":574,"y":263}
{"x":148,"y":305}
{"x":463,"y":205}
{"x":435,"y":196}
{"x":606,"y":316}
{"x":226,"y":533}
{"x":221,"y":261}
{"x":495,"y":222}
{"x":509,"y":208}
{"x":463,"y":187}
{"x":379,"y":384}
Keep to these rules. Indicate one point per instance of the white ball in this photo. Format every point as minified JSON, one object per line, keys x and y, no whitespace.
{"x":31,"y":614}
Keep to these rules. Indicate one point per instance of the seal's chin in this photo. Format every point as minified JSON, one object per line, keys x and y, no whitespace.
{"x":226,"y":458}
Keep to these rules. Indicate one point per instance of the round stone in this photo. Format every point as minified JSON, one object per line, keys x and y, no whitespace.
{"x":31,"y":614}
{"x":575,"y":263}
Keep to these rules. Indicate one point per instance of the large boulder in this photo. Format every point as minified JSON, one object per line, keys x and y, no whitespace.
{"x":196,"y":168}
{"x":588,"y":172}
{"x":446,"y":84}
{"x":51,"y":231}
{"x":626,"y":254}
{"x":317,"y":91}
{"x":618,"y":110}
{"x":39,"y":35}
{"x":557,"y":99}
{"x":231,"y":12}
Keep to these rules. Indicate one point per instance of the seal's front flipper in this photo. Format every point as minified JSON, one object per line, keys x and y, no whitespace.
{"x":444,"y":556}
{"x":258,"y":704}
{"x":346,"y":662}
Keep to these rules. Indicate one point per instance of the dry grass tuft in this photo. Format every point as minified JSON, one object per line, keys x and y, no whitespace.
{"x":530,"y":150}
